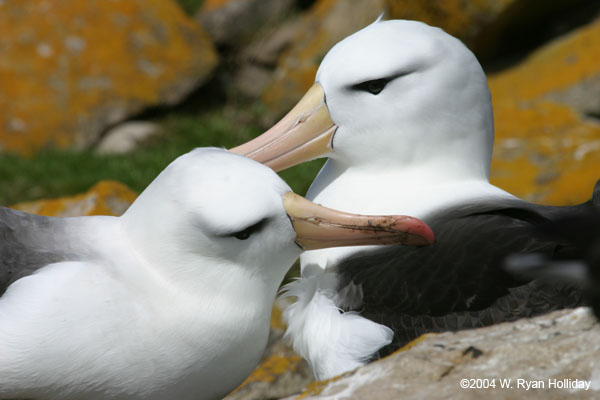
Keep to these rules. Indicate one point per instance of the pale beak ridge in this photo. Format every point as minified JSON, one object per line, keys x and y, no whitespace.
{"x":305,"y":133}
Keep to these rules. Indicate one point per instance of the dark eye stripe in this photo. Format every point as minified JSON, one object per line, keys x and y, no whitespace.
{"x":249,"y":231}
{"x":375,"y":86}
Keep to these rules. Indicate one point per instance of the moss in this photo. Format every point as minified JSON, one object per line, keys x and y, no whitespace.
{"x":58,"y":173}
{"x":191,"y":6}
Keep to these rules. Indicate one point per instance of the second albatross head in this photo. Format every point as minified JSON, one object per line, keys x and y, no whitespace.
{"x":397,"y":93}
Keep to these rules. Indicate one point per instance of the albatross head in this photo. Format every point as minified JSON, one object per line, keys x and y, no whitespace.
{"x":398,"y":94}
{"x":215,"y":214}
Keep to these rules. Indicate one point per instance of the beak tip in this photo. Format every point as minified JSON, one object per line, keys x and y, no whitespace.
{"x":419,"y":233}
{"x":427,"y":234}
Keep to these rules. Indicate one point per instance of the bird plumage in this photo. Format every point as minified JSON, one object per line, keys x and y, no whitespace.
{"x":410,"y":131}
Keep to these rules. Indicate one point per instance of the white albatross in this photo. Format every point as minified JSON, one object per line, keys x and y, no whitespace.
{"x":170,"y":300}
{"x":402,"y":110}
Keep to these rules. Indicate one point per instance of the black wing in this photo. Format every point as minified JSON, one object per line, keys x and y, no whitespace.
{"x":579,"y":262}
{"x":459,"y":282}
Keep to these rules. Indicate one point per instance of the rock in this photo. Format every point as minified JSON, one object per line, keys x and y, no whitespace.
{"x":564,"y":345}
{"x":547,"y":128}
{"x":71,"y":68}
{"x":231,"y":22}
{"x":281,"y":371}
{"x":463,"y":19}
{"x":104,"y":198}
{"x":325,"y":24}
{"x":493,"y":28}
{"x":126,"y":137}
{"x":297,"y":47}
{"x":547,"y":107}
{"x":259,"y":60}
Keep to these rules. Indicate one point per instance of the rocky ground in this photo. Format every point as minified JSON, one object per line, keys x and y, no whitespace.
{"x":77,"y":75}
{"x":554,"y":356}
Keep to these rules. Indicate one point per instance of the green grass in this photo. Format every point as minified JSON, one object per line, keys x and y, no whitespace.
{"x":190,"y":6}
{"x":55,"y":173}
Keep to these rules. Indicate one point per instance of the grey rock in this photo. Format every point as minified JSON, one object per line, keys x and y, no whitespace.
{"x":235,"y":20}
{"x":259,"y":60}
{"x":126,"y":137}
{"x":583,"y":96}
{"x":557,"y":348}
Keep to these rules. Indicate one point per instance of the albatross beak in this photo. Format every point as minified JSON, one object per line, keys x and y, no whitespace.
{"x":305,"y":133}
{"x":318,"y":227}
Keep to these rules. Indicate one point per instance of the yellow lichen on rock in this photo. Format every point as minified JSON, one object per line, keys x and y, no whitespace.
{"x":459,"y":18}
{"x":69,"y":68}
{"x":277,"y":319}
{"x":547,"y":151}
{"x":567,"y":61}
{"x":325,"y":24}
{"x":271,"y":368}
{"x":317,"y":387}
{"x":104,"y":198}
{"x":210,"y":5}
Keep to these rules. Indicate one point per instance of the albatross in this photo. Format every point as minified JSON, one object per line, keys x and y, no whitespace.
{"x":402,"y":110}
{"x":579,"y":263}
{"x":170,"y":300}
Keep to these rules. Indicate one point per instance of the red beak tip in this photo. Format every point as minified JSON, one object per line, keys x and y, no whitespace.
{"x":421,"y":232}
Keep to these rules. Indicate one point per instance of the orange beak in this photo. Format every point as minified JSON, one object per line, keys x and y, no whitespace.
{"x":319,"y":227}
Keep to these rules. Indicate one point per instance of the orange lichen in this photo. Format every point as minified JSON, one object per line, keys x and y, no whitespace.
{"x":414,"y":342}
{"x":277,"y":319}
{"x":211,"y":5}
{"x":104,"y":198}
{"x":545,"y":151}
{"x":457,"y":17}
{"x":317,"y":387}
{"x":271,"y":368}
{"x":65,"y":65}
{"x":564,"y":62}
{"x":327,"y":22}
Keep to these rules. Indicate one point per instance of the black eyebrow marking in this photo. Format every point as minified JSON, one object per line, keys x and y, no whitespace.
{"x":251,"y":228}
{"x":363,"y":86}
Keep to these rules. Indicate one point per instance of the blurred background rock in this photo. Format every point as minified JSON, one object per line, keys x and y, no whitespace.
{"x":97,"y":97}
{"x":117,"y":89}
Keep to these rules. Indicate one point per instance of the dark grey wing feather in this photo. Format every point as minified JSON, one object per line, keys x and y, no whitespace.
{"x":458,"y":282}
{"x":578,"y":260}
{"x":27,"y":243}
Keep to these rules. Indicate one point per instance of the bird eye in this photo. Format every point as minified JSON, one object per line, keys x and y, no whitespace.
{"x":376,"y":86}
{"x":243,"y":235}
{"x":249,"y":231}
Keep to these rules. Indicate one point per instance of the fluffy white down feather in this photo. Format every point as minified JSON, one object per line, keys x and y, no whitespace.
{"x":328,"y":338}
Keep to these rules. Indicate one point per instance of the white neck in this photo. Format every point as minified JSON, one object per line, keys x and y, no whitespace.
{"x":416,"y":192}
